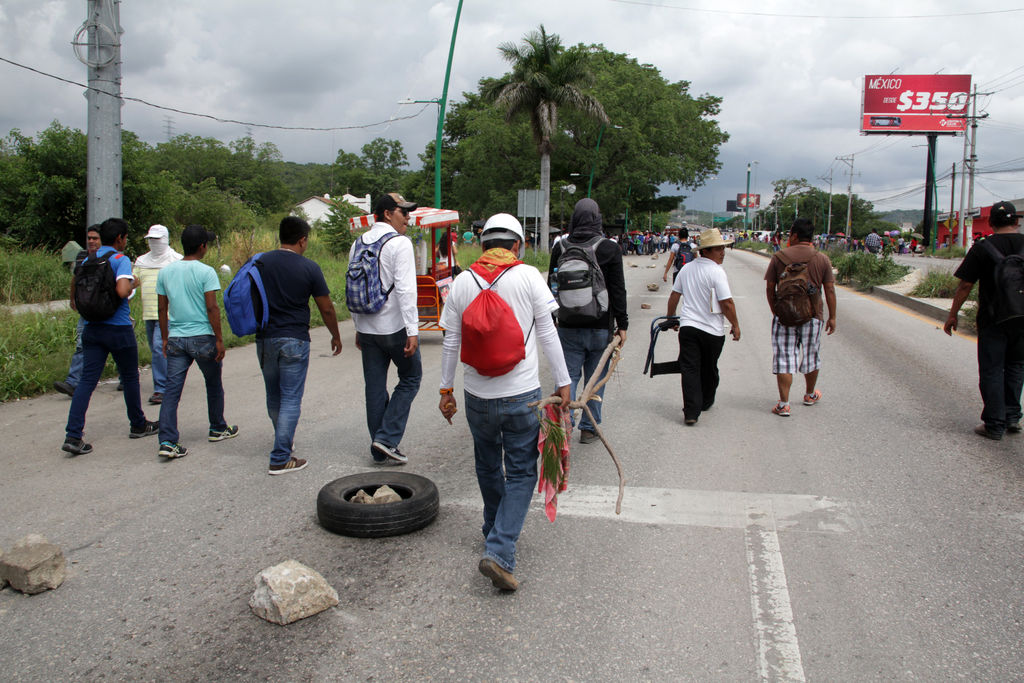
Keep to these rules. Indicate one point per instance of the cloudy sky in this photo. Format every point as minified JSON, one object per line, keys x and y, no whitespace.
{"x":790,"y":72}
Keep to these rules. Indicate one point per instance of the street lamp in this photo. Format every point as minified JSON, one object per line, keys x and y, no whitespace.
{"x":597,"y":149}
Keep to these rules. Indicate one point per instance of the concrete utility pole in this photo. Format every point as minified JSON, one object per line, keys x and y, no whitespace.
{"x":102,"y":29}
{"x":849,"y":196}
{"x":969,"y":222}
{"x":828,"y":229}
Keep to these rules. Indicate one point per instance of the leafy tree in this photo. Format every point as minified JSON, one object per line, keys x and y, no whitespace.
{"x":337,"y":230}
{"x":545,"y":76}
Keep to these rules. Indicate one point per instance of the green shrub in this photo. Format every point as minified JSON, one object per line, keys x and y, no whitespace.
{"x":866,"y":270}
{"x":32,"y":276}
{"x":938,"y":284}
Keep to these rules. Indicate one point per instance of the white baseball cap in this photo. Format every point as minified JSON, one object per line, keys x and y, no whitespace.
{"x":157,"y":232}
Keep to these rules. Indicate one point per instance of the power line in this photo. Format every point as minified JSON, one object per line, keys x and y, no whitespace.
{"x":815,"y":16}
{"x":217,"y":118}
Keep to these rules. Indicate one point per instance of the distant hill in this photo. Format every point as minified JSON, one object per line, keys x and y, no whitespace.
{"x":898,"y":216}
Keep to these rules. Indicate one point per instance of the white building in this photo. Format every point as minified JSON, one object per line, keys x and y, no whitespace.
{"x":316,"y":208}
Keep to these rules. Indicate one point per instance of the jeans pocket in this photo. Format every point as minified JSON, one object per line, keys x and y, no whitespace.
{"x":206,"y":348}
{"x":295,"y":350}
{"x":174,"y":347}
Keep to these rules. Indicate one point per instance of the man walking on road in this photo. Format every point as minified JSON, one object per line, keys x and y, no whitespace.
{"x":707,"y":304}
{"x":147,"y":268}
{"x":505,"y":428}
{"x":1000,"y":338}
{"x":680,"y":254}
{"x":797,"y":348}
{"x":67,"y":387}
{"x":584,"y":341}
{"x":113,"y":336}
{"x":391,"y":335}
{"x":290,"y":279}
{"x":873,"y":241}
{"x":190,"y":329}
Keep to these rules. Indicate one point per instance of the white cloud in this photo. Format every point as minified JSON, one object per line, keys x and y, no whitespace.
{"x":791,"y":86}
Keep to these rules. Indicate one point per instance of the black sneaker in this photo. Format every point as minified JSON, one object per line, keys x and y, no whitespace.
{"x":390,"y":452}
{"x":983,"y":430}
{"x":64,"y":388}
{"x":229,"y":432}
{"x":76,"y":446}
{"x":587,"y":436}
{"x":169,"y":449}
{"x":156,"y":399}
{"x":1013,"y":427}
{"x":147,"y":429}
{"x":120,"y":386}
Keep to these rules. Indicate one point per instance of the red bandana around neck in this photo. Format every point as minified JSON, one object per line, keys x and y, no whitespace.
{"x":493,"y":263}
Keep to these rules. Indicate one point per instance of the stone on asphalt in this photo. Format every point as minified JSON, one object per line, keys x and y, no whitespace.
{"x":290,"y":591}
{"x":386,"y":494}
{"x":33,"y":565}
{"x":3,"y":581}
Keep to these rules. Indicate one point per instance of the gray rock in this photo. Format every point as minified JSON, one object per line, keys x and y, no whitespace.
{"x":33,"y":565}
{"x":3,"y":581}
{"x":361,"y":497}
{"x":386,"y":494}
{"x":290,"y":591}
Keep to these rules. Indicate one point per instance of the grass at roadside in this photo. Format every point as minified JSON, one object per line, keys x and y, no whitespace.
{"x":32,"y":276}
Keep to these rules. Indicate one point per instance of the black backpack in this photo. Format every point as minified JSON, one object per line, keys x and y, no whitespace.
{"x":1008,"y":302}
{"x":683,"y":256}
{"x":582,"y":294}
{"x":96,"y":297}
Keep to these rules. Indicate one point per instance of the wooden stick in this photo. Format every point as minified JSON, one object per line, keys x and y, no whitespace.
{"x":587,"y":395}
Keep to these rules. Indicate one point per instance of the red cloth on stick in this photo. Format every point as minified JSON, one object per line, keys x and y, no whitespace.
{"x":553,"y":481}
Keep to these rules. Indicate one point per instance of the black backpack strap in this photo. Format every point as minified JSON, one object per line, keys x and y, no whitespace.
{"x":996,"y":255}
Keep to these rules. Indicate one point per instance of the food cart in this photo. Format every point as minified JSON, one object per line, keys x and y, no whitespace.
{"x":434,"y":271}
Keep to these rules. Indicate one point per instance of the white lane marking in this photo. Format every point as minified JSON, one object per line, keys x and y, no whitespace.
{"x":688,"y":507}
{"x":778,"y":652}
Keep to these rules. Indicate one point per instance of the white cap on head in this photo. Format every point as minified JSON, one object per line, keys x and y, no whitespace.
{"x":503,"y":226}
{"x":157,"y":232}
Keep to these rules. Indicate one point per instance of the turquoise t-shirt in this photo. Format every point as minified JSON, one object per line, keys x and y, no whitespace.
{"x":185,"y":284}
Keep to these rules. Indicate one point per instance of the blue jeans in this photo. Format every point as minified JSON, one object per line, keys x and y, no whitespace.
{"x":181,"y":351}
{"x":386,"y":415}
{"x":284,"y":362}
{"x":77,"y":358}
{"x":509,"y":425}
{"x":159,"y":363}
{"x":1000,"y":376}
{"x":99,"y":341}
{"x":583,"y":349}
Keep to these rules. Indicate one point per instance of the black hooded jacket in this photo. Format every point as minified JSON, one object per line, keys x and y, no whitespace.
{"x":584,"y":226}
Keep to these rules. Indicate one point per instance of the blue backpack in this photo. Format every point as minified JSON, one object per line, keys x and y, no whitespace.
{"x":364,"y":292}
{"x":245,"y":300}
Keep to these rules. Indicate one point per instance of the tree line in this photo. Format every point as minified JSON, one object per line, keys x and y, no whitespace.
{"x":655,"y":132}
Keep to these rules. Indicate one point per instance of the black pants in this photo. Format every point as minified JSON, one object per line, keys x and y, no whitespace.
{"x":1000,"y":376}
{"x":698,"y":361}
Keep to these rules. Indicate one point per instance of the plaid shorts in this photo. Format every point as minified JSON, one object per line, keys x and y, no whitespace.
{"x":796,"y":349}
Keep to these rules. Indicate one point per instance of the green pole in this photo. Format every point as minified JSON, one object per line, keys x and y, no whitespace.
{"x":590,"y":183}
{"x":440,"y":112}
{"x":746,"y":204}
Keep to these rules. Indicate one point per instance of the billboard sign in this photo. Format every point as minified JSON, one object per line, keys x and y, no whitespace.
{"x":915,"y":104}
{"x":748,"y":201}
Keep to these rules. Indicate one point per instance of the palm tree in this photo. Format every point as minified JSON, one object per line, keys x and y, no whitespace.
{"x":545,"y":76}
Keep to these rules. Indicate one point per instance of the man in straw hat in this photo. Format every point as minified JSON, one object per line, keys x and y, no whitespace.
{"x":707,"y":304}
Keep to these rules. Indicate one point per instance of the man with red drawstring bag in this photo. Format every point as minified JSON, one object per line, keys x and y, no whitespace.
{"x":498,"y":312}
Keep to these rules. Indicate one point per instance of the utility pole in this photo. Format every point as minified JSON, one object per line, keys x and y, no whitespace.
{"x":929,"y":189}
{"x":952,"y":199}
{"x":746,"y":202}
{"x":102,"y":29}
{"x":828,"y":229}
{"x":969,"y":222}
{"x":849,"y":196}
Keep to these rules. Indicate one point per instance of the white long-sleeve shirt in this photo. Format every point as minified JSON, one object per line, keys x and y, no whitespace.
{"x":398,"y":268}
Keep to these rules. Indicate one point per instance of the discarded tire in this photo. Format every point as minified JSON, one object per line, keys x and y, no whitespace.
{"x":417,"y":509}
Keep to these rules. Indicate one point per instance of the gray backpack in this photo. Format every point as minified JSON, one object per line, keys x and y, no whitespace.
{"x":582,"y":294}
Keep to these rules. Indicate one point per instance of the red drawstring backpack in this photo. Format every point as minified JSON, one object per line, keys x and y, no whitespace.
{"x":492,"y":340}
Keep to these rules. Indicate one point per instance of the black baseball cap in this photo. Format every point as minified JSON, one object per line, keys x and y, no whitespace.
{"x":1003,"y":214}
{"x":195,"y":236}
{"x":392,"y":201}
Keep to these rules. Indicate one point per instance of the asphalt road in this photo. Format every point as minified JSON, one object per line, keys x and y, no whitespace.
{"x":870,"y":537}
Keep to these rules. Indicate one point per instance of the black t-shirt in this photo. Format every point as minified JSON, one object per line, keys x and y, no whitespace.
{"x":290,"y":279}
{"x":979,"y":267}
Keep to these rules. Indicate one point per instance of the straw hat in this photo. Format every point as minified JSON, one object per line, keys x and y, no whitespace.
{"x":711,"y":238}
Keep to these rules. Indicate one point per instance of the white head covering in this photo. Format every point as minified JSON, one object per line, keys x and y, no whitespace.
{"x":160,"y":253}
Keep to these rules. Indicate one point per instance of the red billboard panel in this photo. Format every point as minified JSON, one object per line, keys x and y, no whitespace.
{"x":748,"y":201}
{"x":915,"y":104}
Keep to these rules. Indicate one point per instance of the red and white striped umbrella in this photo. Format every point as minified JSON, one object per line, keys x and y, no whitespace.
{"x":423,"y":217}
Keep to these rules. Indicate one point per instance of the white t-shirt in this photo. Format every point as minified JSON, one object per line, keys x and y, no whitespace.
{"x":524,"y":290}
{"x":703,"y":284}
{"x":398,"y":268}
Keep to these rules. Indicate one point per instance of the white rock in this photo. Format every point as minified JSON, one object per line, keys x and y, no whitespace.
{"x":33,"y":565}
{"x":361,"y":497}
{"x":225,"y":268}
{"x":290,"y":591}
{"x":386,"y":494}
